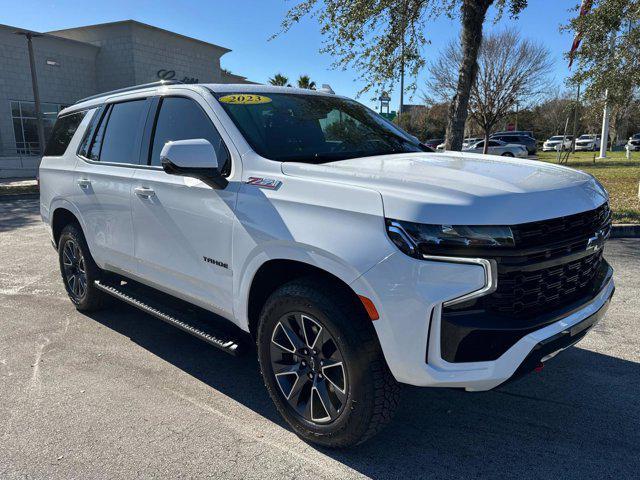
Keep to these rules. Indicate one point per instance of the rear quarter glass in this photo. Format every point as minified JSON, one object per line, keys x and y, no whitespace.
{"x":62,"y":133}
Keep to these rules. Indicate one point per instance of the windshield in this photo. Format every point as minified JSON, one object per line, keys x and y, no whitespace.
{"x":587,"y":137}
{"x":556,"y":138}
{"x":312,"y":128}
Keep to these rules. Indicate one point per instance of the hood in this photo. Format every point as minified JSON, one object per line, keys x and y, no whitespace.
{"x":463,"y":188}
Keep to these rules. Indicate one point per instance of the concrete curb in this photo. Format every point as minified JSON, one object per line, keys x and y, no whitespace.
{"x":625,"y":230}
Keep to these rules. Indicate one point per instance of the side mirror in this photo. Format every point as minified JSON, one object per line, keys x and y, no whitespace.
{"x":193,"y":158}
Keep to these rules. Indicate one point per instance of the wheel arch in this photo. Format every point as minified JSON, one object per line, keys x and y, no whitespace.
{"x":60,"y":218}
{"x":274,"y":273}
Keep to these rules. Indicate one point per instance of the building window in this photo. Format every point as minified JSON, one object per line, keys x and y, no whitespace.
{"x":25,"y":124}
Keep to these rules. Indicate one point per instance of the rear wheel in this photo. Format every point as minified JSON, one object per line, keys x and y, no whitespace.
{"x":79,"y":271}
{"x":322,"y":365}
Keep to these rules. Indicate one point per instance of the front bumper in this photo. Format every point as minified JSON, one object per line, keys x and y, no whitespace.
{"x":409,"y":295}
{"x":550,"y":147}
{"x":583,"y":148}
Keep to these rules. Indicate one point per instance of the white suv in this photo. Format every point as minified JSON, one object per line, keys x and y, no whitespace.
{"x":306,"y":223}
{"x":557,"y":142}
{"x":587,"y":142}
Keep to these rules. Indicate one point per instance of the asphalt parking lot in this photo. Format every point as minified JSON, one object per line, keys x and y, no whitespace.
{"x":119,"y":394}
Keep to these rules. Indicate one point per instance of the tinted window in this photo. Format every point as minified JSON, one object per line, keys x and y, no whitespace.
{"x":312,"y":128}
{"x":62,"y":133}
{"x":88,"y":135}
{"x":183,"y":119}
{"x":96,"y":144}
{"x":493,"y":144}
{"x":123,"y":127}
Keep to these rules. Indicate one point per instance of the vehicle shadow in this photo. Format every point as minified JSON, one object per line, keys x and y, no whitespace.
{"x":578,"y":418}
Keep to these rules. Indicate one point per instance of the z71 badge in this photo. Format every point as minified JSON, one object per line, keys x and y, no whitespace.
{"x":269,"y":183}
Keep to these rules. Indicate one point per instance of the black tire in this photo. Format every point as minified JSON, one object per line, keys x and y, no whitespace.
{"x":76,"y":261}
{"x":507,"y":154}
{"x":369,"y":395}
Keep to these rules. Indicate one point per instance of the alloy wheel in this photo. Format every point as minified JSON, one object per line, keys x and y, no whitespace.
{"x":309,"y":368}
{"x":75,"y":273}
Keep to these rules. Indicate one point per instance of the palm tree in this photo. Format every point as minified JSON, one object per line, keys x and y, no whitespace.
{"x":279,"y":80}
{"x":305,"y":82}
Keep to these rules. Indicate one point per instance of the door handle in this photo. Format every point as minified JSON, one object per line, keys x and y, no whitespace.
{"x":84,"y":182}
{"x":144,"y":192}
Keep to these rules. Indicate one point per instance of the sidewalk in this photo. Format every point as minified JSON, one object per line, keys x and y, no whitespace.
{"x":18,"y":186}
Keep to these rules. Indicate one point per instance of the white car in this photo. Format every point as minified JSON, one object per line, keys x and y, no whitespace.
{"x":303,"y":224}
{"x":587,"y":142}
{"x":465,"y":143}
{"x":498,"y":147}
{"x":470,"y":141}
{"x":558,"y":142}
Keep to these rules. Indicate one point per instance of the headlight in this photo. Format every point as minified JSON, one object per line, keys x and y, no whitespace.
{"x":416,"y":239}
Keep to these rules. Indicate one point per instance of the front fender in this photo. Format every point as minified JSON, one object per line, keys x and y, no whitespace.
{"x":306,"y":254}
{"x":334,"y":227}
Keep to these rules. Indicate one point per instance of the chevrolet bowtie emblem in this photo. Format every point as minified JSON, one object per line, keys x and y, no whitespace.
{"x":596,"y":242}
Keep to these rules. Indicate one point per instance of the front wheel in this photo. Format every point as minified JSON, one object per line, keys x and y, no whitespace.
{"x":507,"y":154}
{"x":322,"y":365}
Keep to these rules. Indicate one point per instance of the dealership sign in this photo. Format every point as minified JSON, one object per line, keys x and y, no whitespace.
{"x":171,"y":74}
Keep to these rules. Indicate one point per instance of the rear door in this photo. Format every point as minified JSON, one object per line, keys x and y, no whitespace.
{"x":109,"y":153}
{"x":495,"y":147}
{"x":182,"y":226}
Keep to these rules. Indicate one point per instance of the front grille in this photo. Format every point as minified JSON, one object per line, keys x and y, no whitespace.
{"x":528,"y":293}
{"x":545,"y":232}
{"x":550,"y":266}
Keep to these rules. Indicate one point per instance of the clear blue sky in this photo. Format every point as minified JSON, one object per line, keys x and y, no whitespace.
{"x":245,"y":26}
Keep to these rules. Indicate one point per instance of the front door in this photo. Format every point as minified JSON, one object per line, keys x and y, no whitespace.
{"x":182,"y":227}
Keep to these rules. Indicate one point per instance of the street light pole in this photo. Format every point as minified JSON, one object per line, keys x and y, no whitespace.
{"x":34,"y":84}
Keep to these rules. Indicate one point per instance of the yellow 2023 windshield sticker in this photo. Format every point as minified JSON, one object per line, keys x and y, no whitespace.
{"x":244,"y":99}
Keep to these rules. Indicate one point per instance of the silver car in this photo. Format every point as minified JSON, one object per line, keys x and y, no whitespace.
{"x":498,"y":147}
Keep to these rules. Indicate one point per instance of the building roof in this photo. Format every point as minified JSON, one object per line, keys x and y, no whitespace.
{"x":48,"y":35}
{"x":140,"y":24}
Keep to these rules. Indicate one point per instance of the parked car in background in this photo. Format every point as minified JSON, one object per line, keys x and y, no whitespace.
{"x":433,"y":143}
{"x":588,"y":142}
{"x":518,"y":139}
{"x":527,"y":133}
{"x":556,"y":142}
{"x":634,"y":142}
{"x":470,"y":141}
{"x":465,"y":144}
{"x":498,"y":147}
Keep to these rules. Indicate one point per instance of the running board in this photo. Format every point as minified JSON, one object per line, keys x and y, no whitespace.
{"x":192,"y":320}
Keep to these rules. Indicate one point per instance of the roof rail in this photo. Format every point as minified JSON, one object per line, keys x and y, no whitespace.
{"x":131,"y":89}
